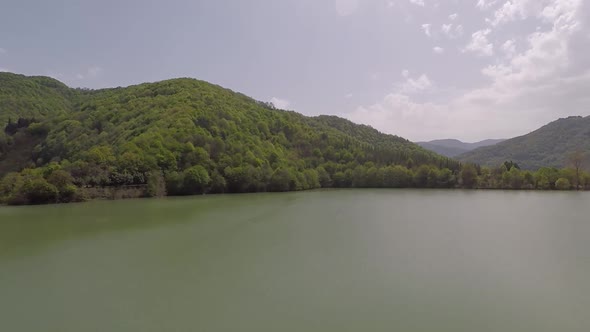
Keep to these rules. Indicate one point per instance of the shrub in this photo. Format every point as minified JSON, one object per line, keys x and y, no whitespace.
{"x":562,"y":184}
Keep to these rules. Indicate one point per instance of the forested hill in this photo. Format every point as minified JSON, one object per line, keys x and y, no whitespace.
{"x":189,"y":136}
{"x":548,"y":146}
{"x":33,"y":97}
{"x":453,"y":147}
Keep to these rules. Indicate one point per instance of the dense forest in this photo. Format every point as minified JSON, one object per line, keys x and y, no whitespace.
{"x":548,"y":146}
{"x":184,"y":137}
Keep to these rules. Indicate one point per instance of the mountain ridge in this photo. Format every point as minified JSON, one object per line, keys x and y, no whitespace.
{"x":454,"y":147}
{"x":547,"y":146}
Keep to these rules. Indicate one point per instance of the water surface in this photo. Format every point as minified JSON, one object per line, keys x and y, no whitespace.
{"x":349,"y":260}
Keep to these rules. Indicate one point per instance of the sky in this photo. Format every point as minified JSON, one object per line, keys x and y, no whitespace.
{"x":420,"y":69}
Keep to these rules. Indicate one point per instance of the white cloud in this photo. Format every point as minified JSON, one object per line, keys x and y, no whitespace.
{"x":545,"y":77}
{"x":452,"y":31}
{"x":405,"y":73}
{"x":486,"y":4}
{"x":4,"y":70}
{"x":3,"y":50}
{"x":415,"y":85}
{"x":509,"y":47}
{"x":438,"y":50}
{"x":348,"y":96}
{"x":453,"y":17}
{"x":280,"y":103}
{"x":446,"y":28}
{"x":546,"y":10}
{"x":426,"y":28}
{"x":480,"y":44}
{"x":418,"y":2}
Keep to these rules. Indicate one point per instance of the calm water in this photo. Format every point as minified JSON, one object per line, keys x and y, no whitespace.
{"x":352,"y":260}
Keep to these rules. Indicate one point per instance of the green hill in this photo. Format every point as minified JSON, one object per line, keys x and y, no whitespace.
{"x":453,"y":148}
{"x":548,"y":146}
{"x":188,"y":137}
{"x":33,"y":97}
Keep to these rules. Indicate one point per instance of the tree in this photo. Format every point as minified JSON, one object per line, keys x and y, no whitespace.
{"x":562,"y":184}
{"x":218,"y":183}
{"x":196,"y":180}
{"x":421,"y":176}
{"x":281,"y":180}
{"x":576,"y":160}
{"x":39,"y":191}
{"x":156,"y":185}
{"x":64,"y":182}
{"x":468,"y":176}
{"x":324,"y":177}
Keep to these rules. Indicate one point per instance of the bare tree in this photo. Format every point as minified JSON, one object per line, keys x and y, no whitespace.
{"x":576,"y":161}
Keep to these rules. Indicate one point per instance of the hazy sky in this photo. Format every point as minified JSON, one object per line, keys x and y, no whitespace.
{"x":421,"y":69}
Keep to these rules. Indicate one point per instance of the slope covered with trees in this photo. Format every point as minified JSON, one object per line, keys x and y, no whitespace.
{"x":550,"y":145}
{"x":33,"y":97}
{"x":185,"y":136}
{"x":453,"y":147}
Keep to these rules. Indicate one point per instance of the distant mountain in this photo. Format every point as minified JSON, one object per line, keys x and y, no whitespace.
{"x":452,"y":147}
{"x":547,"y":146}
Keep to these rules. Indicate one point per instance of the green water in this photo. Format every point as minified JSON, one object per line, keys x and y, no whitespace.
{"x":351,"y":260}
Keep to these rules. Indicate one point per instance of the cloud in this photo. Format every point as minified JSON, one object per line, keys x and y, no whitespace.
{"x":4,"y":70}
{"x":452,"y":31}
{"x":486,"y":4}
{"x":438,"y":50}
{"x":418,"y":2}
{"x":480,"y":44}
{"x":546,"y":10}
{"x":346,"y":7}
{"x":280,"y":103}
{"x":414,"y":85}
{"x":405,"y":73}
{"x":426,"y":28}
{"x":509,"y":47}
{"x":348,"y":95}
{"x":453,"y":17}
{"x":3,"y":50}
{"x":546,"y":77}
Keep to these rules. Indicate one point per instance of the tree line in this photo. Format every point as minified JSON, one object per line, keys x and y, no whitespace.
{"x":186,"y":137}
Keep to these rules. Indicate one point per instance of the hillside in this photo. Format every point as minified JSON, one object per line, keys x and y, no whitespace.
{"x":548,"y":146}
{"x":188,"y":136}
{"x":453,"y":147}
{"x":33,"y":97}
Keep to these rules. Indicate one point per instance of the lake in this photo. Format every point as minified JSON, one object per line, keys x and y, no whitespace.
{"x":337,"y":260}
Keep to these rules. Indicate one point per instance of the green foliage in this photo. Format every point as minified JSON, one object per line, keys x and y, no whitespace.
{"x":184,"y":136}
{"x":548,"y":146}
{"x":156,"y":185}
{"x":33,"y":97}
{"x":469,"y":176}
{"x":37,"y":191}
{"x":562,"y":184}
{"x":196,"y":180}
